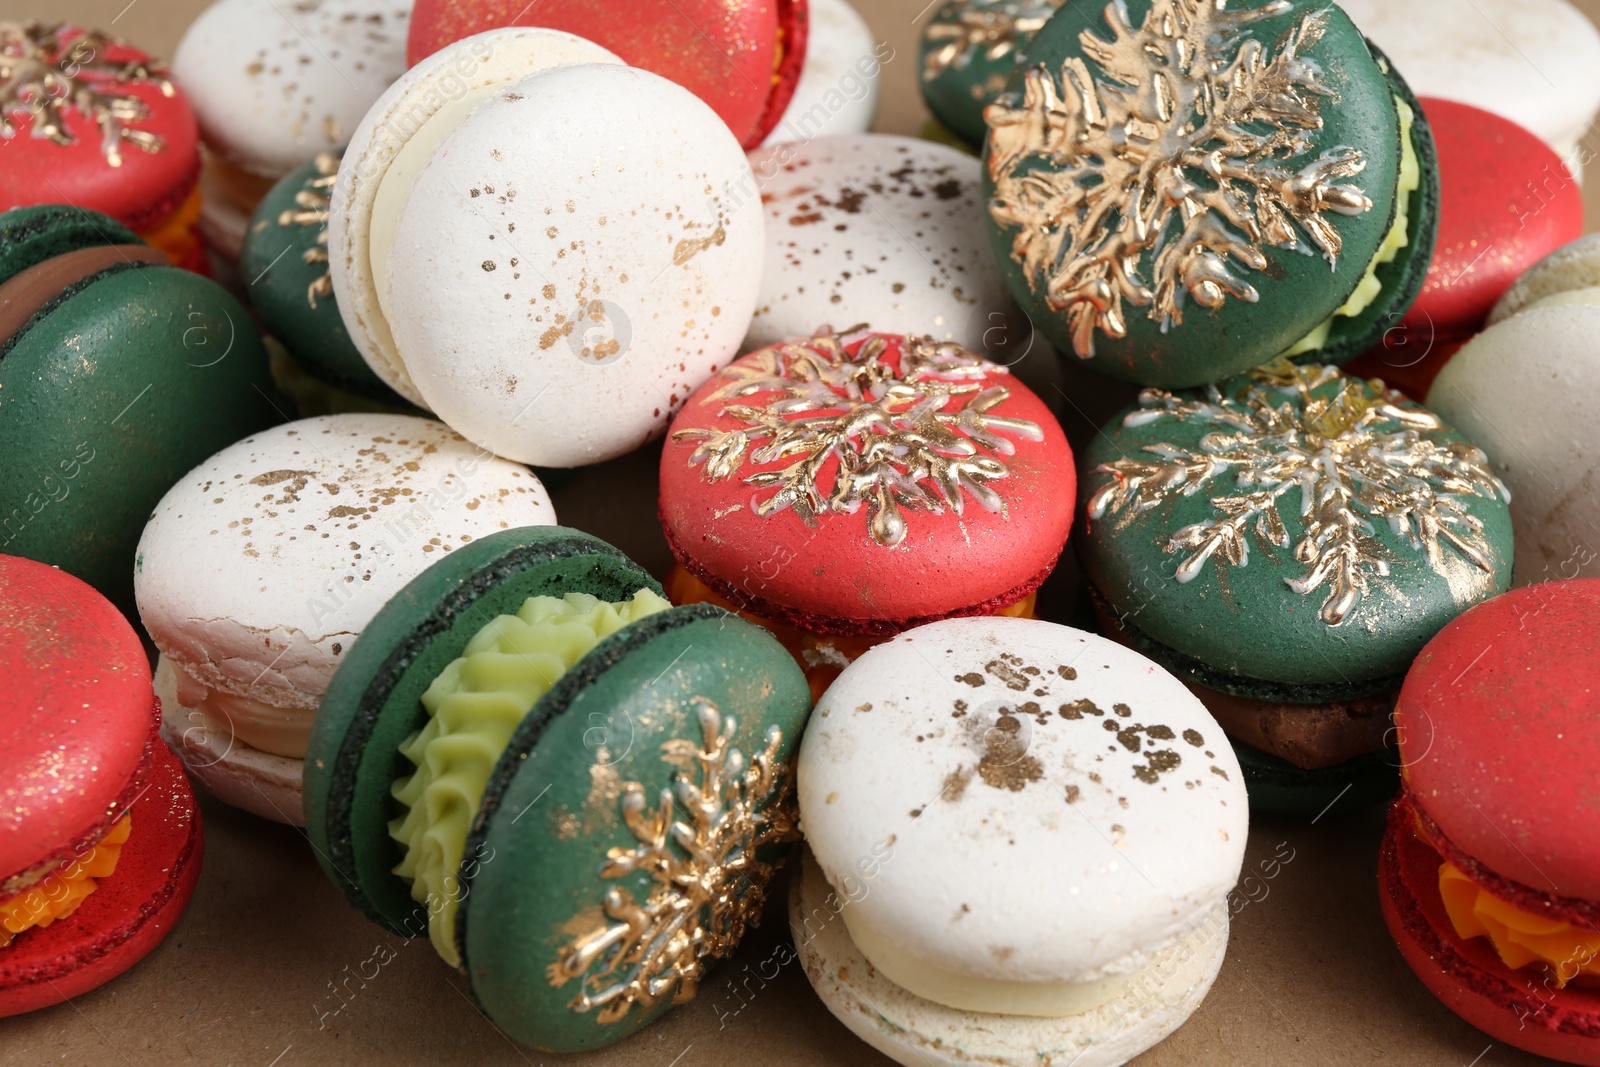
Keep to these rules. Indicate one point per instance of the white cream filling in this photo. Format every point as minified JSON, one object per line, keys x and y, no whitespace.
{"x":969,"y":992}
{"x":268,"y":727}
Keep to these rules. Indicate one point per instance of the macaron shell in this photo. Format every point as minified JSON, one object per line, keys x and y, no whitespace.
{"x":274,"y":84}
{"x":1500,"y":740}
{"x":1518,"y":1007}
{"x":612,"y":721}
{"x":77,"y":715}
{"x":564,"y":292}
{"x":1031,"y":763}
{"x":875,"y":229}
{"x":109,"y":396}
{"x":840,"y":75}
{"x":1575,"y":265}
{"x":496,"y":57}
{"x":1296,"y":291}
{"x":1526,"y":391}
{"x":726,"y":52}
{"x":31,"y":235}
{"x":1536,"y":62}
{"x":920,"y":1033}
{"x":147,"y":184}
{"x":967,"y":52}
{"x":128,"y":914}
{"x":1278,"y":787}
{"x":833,"y":573}
{"x":374,"y":701}
{"x":259,"y":569}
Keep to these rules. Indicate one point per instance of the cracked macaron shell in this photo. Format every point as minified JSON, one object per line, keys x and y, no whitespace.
{"x":259,"y":568}
{"x":274,"y":84}
{"x":1057,"y":806}
{"x":560,"y":292}
{"x":876,"y":229}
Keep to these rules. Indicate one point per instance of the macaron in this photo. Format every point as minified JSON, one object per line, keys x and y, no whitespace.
{"x":503,"y":260}
{"x":838,"y":88}
{"x":743,"y":58}
{"x":967,"y":53}
{"x":1535,"y":62}
{"x":101,"y":841}
{"x":275,"y":84}
{"x":1490,"y":869}
{"x":1505,"y":201}
{"x":1525,"y":390}
{"x":847,"y":487}
{"x":1022,"y":839}
{"x":1286,"y":542}
{"x":880,"y":229}
{"x":577,"y":791}
{"x":1276,"y":194}
{"x":118,"y":373}
{"x":284,"y":264}
{"x":260,"y":568}
{"x":88,"y":119}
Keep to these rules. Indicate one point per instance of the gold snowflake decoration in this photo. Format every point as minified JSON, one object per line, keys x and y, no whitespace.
{"x":48,"y":71}
{"x":1356,"y":458}
{"x":990,"y":28}
{"x":887,"y":439}
{"x":1188,"y":143}
{"x":708,"y":884}
{"x":312,"y":202}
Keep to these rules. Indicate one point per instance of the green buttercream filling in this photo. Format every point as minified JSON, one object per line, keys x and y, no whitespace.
{"x":1368,"y":288}
{"x":473,"y":707}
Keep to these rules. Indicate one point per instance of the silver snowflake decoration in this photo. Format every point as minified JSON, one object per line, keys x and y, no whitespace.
{"x":707,"y":883}
{"x":1188,"y":142}
{"x":1340,"y":461}
{"x":990,"y":28}
{"x":862,"y":432}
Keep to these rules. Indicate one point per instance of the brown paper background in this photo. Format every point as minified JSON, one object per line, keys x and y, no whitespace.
{"x":266,"y":968}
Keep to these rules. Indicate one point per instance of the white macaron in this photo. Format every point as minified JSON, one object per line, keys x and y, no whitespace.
{"x":1527,"y":391}
{"x":838,"y":88}
{"x":1536,"y":62}
{"x":877,"y":229}
{"x":273,"y":84}
{"x":1024,"y":836}
{"x":261,"y":567}
{"x":539,"y":245}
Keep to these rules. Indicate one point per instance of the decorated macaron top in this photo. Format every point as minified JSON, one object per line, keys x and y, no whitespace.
{"x":968,"y":52}
{"x":1181,"y":191}
{"x":296,"y":536}
{"x":1499,"y":741}
{"x":1292,"y":525}
{"x":1054,"y":806}
{"x":275,"y":84}
{"x":866,"y":479}
{"x":77,"y":717}
{"x":88,"y":119}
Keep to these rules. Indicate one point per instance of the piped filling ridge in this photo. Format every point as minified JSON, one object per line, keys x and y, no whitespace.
{"x":474,"y":706}
{"x":1520,"y":938}
{"x":58,"y":894}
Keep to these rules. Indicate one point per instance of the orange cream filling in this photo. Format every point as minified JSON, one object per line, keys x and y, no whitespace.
{"x":57,"y":895}
{"x":177,"y":236}
{"x":821,"y":656}
{"x":1520,"y":938}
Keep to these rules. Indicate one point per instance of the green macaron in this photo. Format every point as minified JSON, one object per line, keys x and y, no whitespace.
{"x":968,"y":51}
{"x":1178,"y":193}
{"x":1291,"y":537}
{"x":118,"y":373}
{"x":574,"y":789}
{"x":284,"y":263}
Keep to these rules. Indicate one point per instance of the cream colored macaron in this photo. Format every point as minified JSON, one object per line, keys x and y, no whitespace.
{"x":1026,"y":834}
{"x":1565,"y":273}
{"x":260,"y":567}
{"x":537,"y":244}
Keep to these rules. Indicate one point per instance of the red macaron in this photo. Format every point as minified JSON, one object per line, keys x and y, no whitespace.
{"x":843,"y":489}
{"x":1505,"y":201}
{"x":742,"y":57}
{"x":1490,"y":870}
{"x":100,"y":841}
{"x":89,"y":120}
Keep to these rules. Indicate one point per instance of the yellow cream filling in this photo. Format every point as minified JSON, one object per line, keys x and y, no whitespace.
{"x":1519,"y":937}
{"x":58,"y":894}
{"x":1368,"y":288}
{"x":474,"y":705}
